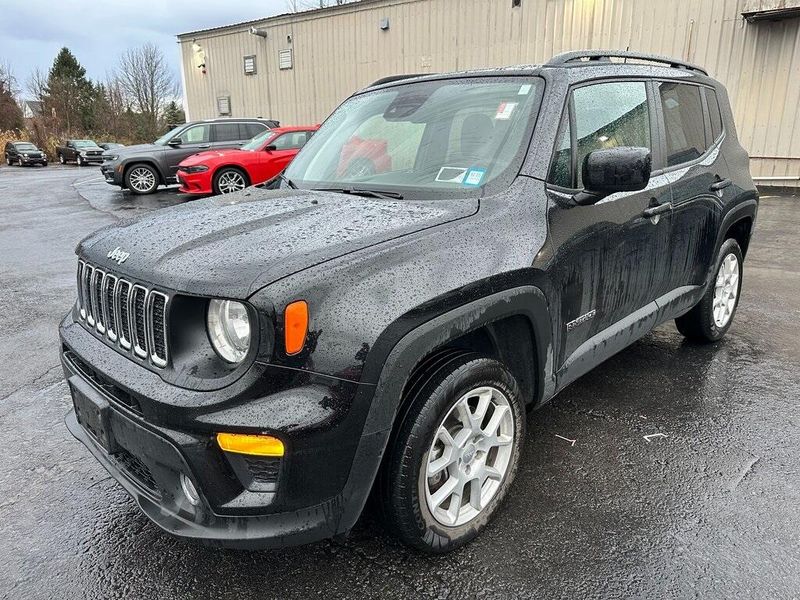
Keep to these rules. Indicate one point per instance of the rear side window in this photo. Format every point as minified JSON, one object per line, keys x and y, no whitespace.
{"x":606,"y":115}
{"x":251,"y":130}
{"x":226,"y":132}
{"x":714,"y":114}
{"x":293,"y":140}
{"x":683,"y":122}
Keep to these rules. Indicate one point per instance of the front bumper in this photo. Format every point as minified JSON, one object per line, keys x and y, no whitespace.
{"x":112,"y":173}
{"x":194,"y":183}
{"x":301,"y":500}
{"x":34,"y":161}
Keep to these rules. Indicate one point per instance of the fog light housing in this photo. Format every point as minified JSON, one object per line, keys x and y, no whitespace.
{"x":189,"y":490}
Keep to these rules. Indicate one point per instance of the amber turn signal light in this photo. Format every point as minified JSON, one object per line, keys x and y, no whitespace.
{"x":295,"y":321}
{"x":255,"y":445}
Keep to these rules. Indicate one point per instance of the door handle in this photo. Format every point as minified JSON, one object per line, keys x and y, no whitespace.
{"x":720,"y":185}
{"x":657,"y":210}
{"x":204,"y":146}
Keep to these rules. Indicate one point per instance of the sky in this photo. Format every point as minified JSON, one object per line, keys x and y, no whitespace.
{"x":31,"y":33}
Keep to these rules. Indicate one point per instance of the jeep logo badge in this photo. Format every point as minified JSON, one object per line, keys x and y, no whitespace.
{"x":119,"y":255}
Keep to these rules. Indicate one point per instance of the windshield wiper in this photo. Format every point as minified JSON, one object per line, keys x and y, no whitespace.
{"x":288,"y":181}
{"x":366,"y":193}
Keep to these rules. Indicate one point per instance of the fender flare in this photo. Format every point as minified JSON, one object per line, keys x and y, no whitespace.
{"x":528,"y":301}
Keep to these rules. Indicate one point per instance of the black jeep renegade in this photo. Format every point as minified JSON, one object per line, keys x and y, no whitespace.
{"x":447,"y":252}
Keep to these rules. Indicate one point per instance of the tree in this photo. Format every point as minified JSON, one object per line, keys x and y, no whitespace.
{"x":173,"y":114}
{"x":10,"y":112}
{"x":69,"y":95}
{"x":148,"y":82}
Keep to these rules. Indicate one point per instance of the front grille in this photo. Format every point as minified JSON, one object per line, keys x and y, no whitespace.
{"x":263,"y":470}
{"x":131,"y":315}
{"x":137,"y":470}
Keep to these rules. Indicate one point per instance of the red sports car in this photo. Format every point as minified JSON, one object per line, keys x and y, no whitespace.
{"x":261,"y":159}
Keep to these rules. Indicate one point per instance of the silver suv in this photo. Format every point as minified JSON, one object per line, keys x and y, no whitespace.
{"x":144,"y":167}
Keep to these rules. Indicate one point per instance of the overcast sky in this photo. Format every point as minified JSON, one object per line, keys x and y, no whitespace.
{"x":32,"y":32}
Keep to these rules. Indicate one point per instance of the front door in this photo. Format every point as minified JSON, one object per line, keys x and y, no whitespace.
{"x":610,"y":256}
{"x":191,"y":141}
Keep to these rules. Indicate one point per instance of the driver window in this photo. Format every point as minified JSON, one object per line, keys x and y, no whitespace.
{"x":198,"y":134}
{"x":608,"y":115}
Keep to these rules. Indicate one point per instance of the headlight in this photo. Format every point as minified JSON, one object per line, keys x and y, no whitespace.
{"x":195,"y":169}
{"x":110,"y":157}
{"x":229,"y":329}
{"x":25,"y":154}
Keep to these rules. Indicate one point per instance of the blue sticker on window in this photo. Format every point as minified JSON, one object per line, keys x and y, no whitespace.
{"x":473,"y":177}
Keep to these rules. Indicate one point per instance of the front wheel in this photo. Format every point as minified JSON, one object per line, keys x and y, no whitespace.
{"x":61,"y":159}
{"x":19,"y":163}
{"x":80,"y":161}
{"x":229,"y":180}
{"x":455,"y":455}
{"x":711,"y":318}
{"x":141,"y":179}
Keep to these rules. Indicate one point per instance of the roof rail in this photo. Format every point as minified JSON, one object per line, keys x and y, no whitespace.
{"x":392,"y":78}
{"x":605,"y":56}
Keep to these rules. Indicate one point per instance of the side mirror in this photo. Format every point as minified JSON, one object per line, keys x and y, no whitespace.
{"x":270,"y":148}
{"x":611,"y":170}
{"x":174,"y":142}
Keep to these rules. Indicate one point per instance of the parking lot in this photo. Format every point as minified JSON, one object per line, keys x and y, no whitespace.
{"x":600,"y":507}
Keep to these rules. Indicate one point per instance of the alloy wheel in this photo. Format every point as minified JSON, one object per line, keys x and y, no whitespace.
{"x":231,"y":181}
{"x":469,"y":456}
{"x":726,"y":290}
{"x":142,"y":179}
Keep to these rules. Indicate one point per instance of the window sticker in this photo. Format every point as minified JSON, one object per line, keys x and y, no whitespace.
{"x":473,"y":177}
{"x":504,"y":110}
{"x":451,"y":174}
{"x":524,"y":90}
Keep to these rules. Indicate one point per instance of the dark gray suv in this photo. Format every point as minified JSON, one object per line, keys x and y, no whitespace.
{"x":144,"y":167}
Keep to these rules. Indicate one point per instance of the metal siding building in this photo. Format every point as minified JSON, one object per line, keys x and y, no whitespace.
{"x":337,"y":50}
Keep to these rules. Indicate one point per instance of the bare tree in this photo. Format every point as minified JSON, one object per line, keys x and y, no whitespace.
{"x":36,"y":85}
{"x":146,"y":79}
{"x":7,"y":78}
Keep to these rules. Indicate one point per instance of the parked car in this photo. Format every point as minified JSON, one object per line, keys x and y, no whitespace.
{"x":110,"y":145}
{"x":23,"y":154}
{"x":82,"y":152}
{"x":142,"y":168}
{"x":251,"y":368}
{"x":261,"y":159}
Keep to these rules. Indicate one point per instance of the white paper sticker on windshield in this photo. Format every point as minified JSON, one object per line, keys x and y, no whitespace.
{"x":474,"y":176}
{"x":451,"y":174}
{"x":524,"y":90}
{"x":504,"y":110}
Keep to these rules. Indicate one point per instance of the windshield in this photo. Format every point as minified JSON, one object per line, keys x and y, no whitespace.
{"x":83,"y":143}
{"x":435,"y":136}
{"x":25,"y":146}
{"x":162,"y":141}
{"x":258,"y":141}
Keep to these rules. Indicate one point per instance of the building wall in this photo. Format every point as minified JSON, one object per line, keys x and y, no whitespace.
{"x":341,"y":49}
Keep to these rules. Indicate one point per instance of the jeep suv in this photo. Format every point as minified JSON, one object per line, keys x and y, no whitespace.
{"x":250,"y":367}
{"x":24,"y":153}
{"x":142,"y":168}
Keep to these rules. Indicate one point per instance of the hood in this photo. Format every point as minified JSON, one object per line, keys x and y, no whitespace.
{"x":197,"y":159}
{"x":233,"y":245}
{"x":125,"y":150}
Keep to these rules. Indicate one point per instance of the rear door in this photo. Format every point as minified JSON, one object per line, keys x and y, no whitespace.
{"x":227,"y":135}
{"x":194,"y":139}
{"x":698,"y":175}
{"x":609,"y":255}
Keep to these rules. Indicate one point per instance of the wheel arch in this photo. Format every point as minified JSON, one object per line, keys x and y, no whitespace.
{"x":131,"y":163}
{"x":493,"y":325}
{"x":240,"y":168}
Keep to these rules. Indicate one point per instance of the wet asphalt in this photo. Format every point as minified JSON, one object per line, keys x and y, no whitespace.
{"x":709,"y":509}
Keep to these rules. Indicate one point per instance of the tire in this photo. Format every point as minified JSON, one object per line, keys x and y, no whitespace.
{"x":141,"y":179}
{"x":19,"y":162}
{"x":80,"y":161}
{"x":709,"y":320}
{"x":61,"y":159}
{"x":44,"y":164}
{"x":229,"y":180}
{"x":8,"y":161}
{"x":414,"y":511}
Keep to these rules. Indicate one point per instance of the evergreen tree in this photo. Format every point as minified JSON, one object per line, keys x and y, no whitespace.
{"x":69,"y":94}
{"x":173,"y":114}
